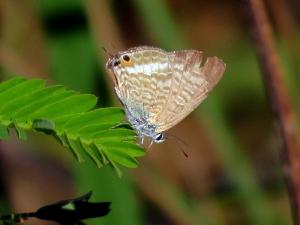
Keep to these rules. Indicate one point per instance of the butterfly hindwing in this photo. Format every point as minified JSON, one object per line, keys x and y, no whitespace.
{"x":191,"y":85}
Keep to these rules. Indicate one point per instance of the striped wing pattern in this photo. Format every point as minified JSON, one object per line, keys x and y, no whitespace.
{"x":191,"y":85}
{"x":162,"y":87}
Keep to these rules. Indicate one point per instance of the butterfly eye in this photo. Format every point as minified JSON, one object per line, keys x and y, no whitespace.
{"x":126,"y":60}
{"x":116,"y":63}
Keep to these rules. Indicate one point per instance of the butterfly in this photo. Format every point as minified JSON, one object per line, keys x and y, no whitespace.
{"x":158,"y":89}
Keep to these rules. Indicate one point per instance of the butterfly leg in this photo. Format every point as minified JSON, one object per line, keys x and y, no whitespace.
{"x":149,"y":146}
{"x":140,"y":139}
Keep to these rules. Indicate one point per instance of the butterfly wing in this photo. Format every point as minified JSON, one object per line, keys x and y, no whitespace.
{"x":190,"y":85}
{"x":162,"y":88}
{"x":144,"y":88}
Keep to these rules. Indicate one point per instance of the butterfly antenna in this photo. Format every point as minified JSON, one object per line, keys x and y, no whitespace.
{"x":106,"y":52}
{"x":150,"y":145}
{"x":181,"y":143}
{"x":114,"y":47}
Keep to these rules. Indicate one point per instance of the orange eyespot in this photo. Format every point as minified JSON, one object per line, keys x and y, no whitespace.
{"x":126,"y":60}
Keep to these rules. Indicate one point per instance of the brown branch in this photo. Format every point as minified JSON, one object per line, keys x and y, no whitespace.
{"x":277,"y":91}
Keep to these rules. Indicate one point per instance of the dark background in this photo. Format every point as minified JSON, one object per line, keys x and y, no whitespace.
{"x":233,"y":175}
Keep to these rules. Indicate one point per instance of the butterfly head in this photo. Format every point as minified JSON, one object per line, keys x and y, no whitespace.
{"x":123,"y":59}
{"x":134,"y":60}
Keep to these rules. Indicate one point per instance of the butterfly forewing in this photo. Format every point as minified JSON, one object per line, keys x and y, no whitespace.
{"x":145,"y":86}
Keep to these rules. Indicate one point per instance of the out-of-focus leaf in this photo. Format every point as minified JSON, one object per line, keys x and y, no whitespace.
{"x":4,"y":134}
{"x":65,"y":212}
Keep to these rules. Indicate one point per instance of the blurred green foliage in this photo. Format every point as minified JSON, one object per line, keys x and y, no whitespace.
{"x":74,"y":62}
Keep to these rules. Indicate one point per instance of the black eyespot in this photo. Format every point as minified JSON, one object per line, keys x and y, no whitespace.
{"x":126,"y":58}
{"x":159,"y":137}
{"x":116,"y":63}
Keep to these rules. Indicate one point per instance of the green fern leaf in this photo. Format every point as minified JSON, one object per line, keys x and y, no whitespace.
{"x":70,"y":117}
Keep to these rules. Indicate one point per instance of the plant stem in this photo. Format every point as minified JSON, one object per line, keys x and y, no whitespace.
{"x":276,"y":89}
